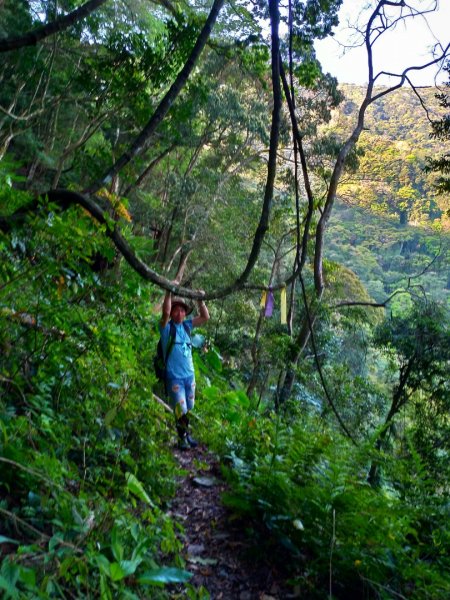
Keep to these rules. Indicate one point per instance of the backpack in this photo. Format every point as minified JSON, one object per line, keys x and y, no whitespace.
{"x":160,"y":362}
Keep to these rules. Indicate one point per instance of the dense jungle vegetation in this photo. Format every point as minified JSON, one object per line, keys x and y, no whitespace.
{"x":147,"y":146}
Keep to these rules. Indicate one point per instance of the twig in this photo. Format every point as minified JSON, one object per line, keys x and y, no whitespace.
{"x":160,"y":401}
{"x":50,"y":483}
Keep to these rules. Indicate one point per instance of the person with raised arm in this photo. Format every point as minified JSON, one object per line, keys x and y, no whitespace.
{"x":175,"y":331}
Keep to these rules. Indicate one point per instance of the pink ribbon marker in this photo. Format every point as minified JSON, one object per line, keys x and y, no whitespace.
{"x":269,"y":304}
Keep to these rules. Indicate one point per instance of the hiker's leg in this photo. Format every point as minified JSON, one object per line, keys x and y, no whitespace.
{"x":190,"y":401}
{"x":189,"y":391}
{"x":177,"y":396}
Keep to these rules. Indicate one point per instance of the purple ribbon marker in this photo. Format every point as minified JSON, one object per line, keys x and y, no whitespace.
{"x":269,"y":304}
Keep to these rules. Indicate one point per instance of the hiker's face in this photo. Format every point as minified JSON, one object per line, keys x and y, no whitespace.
{"x":178,"y":313}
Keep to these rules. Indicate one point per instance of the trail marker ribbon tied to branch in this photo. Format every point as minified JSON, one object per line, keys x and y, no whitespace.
{"x":267,"y":302}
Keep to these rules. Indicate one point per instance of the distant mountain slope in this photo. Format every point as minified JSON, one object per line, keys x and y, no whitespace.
{"x":387,"y":256}
{"x":391,"y":179}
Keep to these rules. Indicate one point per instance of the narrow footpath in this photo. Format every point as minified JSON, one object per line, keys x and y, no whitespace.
{"x":216,"y":548}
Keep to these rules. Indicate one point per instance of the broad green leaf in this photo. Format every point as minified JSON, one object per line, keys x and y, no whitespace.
{"x":54,"y":541}
{"x":8,"y":587}
{"x":10,"y":571}
{"x":7,"y":540}
{"x":212,"y":358}
{"x":116,"y":571}
{"x":136,"y":488}
{"x":130,"y":566}
{"x":165,"y":575}
{"x":116,"y":546}
{"x":103,"y":563}
{"x":27,"y":576}
{"x":105,"y":592}
{"x":211,"y":393}
{"x":110,"y":416}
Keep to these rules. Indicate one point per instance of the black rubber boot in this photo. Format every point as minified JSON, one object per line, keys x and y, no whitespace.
{"x":183,"y":443}
{"x":186,"y":441}
{"x":190,"y":440}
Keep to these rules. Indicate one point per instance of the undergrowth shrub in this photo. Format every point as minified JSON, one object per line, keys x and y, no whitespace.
{"x":302,"y":491}
{"x":86,"y":467}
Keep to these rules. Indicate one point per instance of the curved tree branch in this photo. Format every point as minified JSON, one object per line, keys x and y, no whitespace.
{"x":65,"y":197}
{"x":142,"y":141}
{"x":40,"y":33}
{"x":273,"y":146}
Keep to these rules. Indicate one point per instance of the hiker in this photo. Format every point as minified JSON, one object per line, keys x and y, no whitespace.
{"x":180,"y":377}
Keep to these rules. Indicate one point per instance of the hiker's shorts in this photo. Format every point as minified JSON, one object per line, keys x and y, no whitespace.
{"x":182,"y":395}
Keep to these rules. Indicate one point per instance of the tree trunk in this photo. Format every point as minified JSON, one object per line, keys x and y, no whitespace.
{"x":399,"y":399}
{"x":288,"y":379}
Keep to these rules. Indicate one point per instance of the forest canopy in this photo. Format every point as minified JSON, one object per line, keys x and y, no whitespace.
{"x":200,"y":148}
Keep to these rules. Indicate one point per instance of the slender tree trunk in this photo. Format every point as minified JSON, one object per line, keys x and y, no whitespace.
{"x":399,"y":399}
{"x":146,"y":172}
{"x":287,"y":379}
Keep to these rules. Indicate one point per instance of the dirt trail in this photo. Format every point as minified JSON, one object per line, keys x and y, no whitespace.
{"x":216,"y":548}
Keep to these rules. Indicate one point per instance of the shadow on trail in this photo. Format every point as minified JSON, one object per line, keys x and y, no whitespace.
{"x":218,"y":551}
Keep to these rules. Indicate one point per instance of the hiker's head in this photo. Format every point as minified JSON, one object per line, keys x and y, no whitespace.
{"x":179,"y":311}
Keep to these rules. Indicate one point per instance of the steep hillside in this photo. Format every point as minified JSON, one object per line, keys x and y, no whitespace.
{"x":388,"y":256}
{"x":390,"y":226}
{"x":392,"y":150}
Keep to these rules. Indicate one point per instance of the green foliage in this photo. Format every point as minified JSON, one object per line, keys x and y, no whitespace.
{"x":392,"y":177}
{"x":418,"y":346}
{"x":302,"y":493}
{"x":85,"y":461}
{"x":441,"y":131}
{"x":86,"y":469}
{"x":388,"y":258}
{"x":421,"y":341}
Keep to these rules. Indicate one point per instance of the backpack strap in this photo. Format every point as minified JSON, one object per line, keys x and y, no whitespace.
{"x":171,"y":342}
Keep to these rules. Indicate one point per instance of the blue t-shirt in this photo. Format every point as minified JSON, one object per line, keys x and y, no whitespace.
{"x":179,"y":364}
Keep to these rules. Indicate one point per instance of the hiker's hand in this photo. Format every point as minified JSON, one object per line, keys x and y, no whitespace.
{"x":202,"y":309}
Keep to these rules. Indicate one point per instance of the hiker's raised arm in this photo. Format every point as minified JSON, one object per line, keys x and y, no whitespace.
{"x":166,"y":308}
{"x":203,"y":315}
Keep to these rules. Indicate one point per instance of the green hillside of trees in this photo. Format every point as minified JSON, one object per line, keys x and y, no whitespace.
{"x":388,"y":257}
{"x":392,"y":225}
{"x":199,"y":148}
